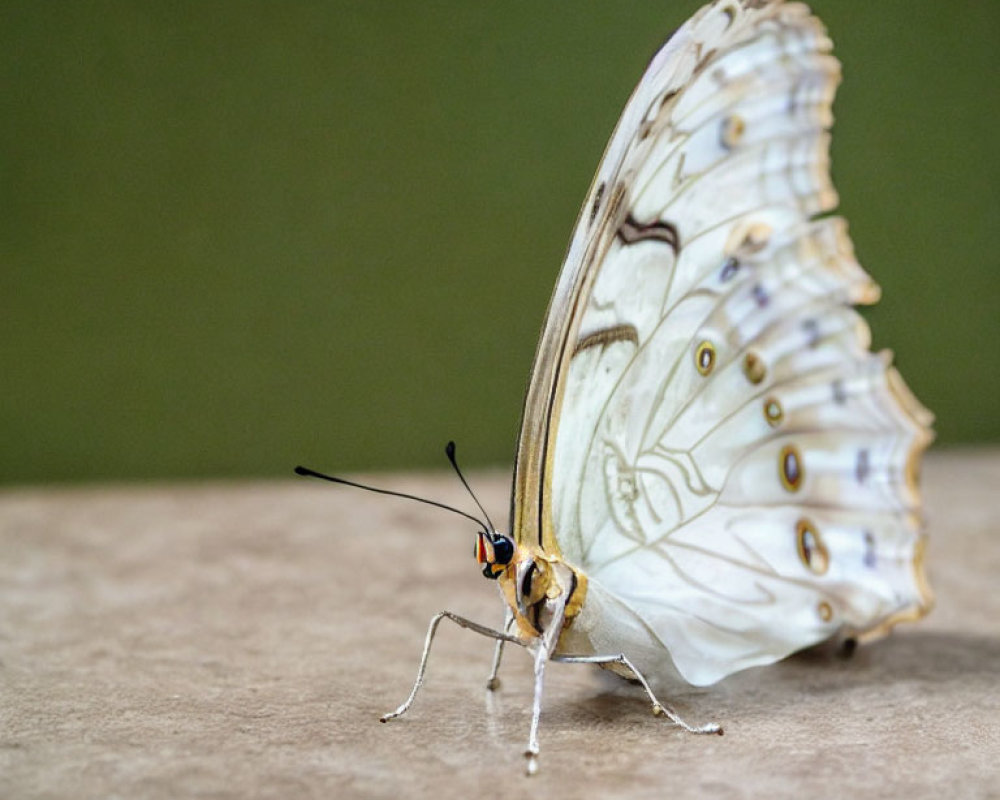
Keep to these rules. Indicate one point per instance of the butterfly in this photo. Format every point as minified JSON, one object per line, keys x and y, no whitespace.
{"x":712,"y":470}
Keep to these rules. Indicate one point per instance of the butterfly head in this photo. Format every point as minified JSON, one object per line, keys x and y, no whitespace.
{"x":494,"y":551}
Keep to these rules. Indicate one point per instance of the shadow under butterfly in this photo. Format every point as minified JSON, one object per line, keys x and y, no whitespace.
{"x":713,"y":470}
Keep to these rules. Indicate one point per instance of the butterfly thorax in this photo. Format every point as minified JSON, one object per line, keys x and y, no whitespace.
{"x":539,"y":588}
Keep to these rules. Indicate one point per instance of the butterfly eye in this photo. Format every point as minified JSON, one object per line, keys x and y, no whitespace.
{"x":503,"y":550}
{"x":704,"y":357}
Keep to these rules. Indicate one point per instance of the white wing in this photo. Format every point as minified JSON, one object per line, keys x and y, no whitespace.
{"x":706,"y":434}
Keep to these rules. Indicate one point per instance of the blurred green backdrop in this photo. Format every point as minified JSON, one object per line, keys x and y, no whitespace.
{"x":239,"y":236}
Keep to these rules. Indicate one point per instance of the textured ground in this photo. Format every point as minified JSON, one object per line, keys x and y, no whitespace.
{"x":240,"y":640}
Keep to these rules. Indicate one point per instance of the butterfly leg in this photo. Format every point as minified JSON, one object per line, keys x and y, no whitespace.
{"x":531,"y":754}
{"x":658,"y":707}
{"x":493,"y":682}
{"x":431,"y":630}
{"x":541,"y":650}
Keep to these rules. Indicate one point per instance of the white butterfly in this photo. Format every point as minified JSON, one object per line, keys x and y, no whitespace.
{"x":713,"y":471}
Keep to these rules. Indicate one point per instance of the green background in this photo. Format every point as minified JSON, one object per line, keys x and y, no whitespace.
{"x":240,"y":236}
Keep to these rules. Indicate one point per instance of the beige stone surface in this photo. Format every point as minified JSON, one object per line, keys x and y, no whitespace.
{"x":241,"y":640}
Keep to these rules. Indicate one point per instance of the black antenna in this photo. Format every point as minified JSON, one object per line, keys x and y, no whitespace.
{"x":314,"y":474}
{"x":450,"y":451}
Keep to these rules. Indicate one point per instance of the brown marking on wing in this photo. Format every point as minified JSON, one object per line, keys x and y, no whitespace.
{"x":618,"y":333}
{"x":631,"y":232}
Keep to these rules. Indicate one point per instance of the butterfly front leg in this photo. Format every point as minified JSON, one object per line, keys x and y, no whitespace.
{"x":431,"y":631}
{"x":658,"y":707}
{"x":542,"y":650}
{"x":531,"y":754}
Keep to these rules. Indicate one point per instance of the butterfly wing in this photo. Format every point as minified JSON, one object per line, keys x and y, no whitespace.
{"x":706,"y":434}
